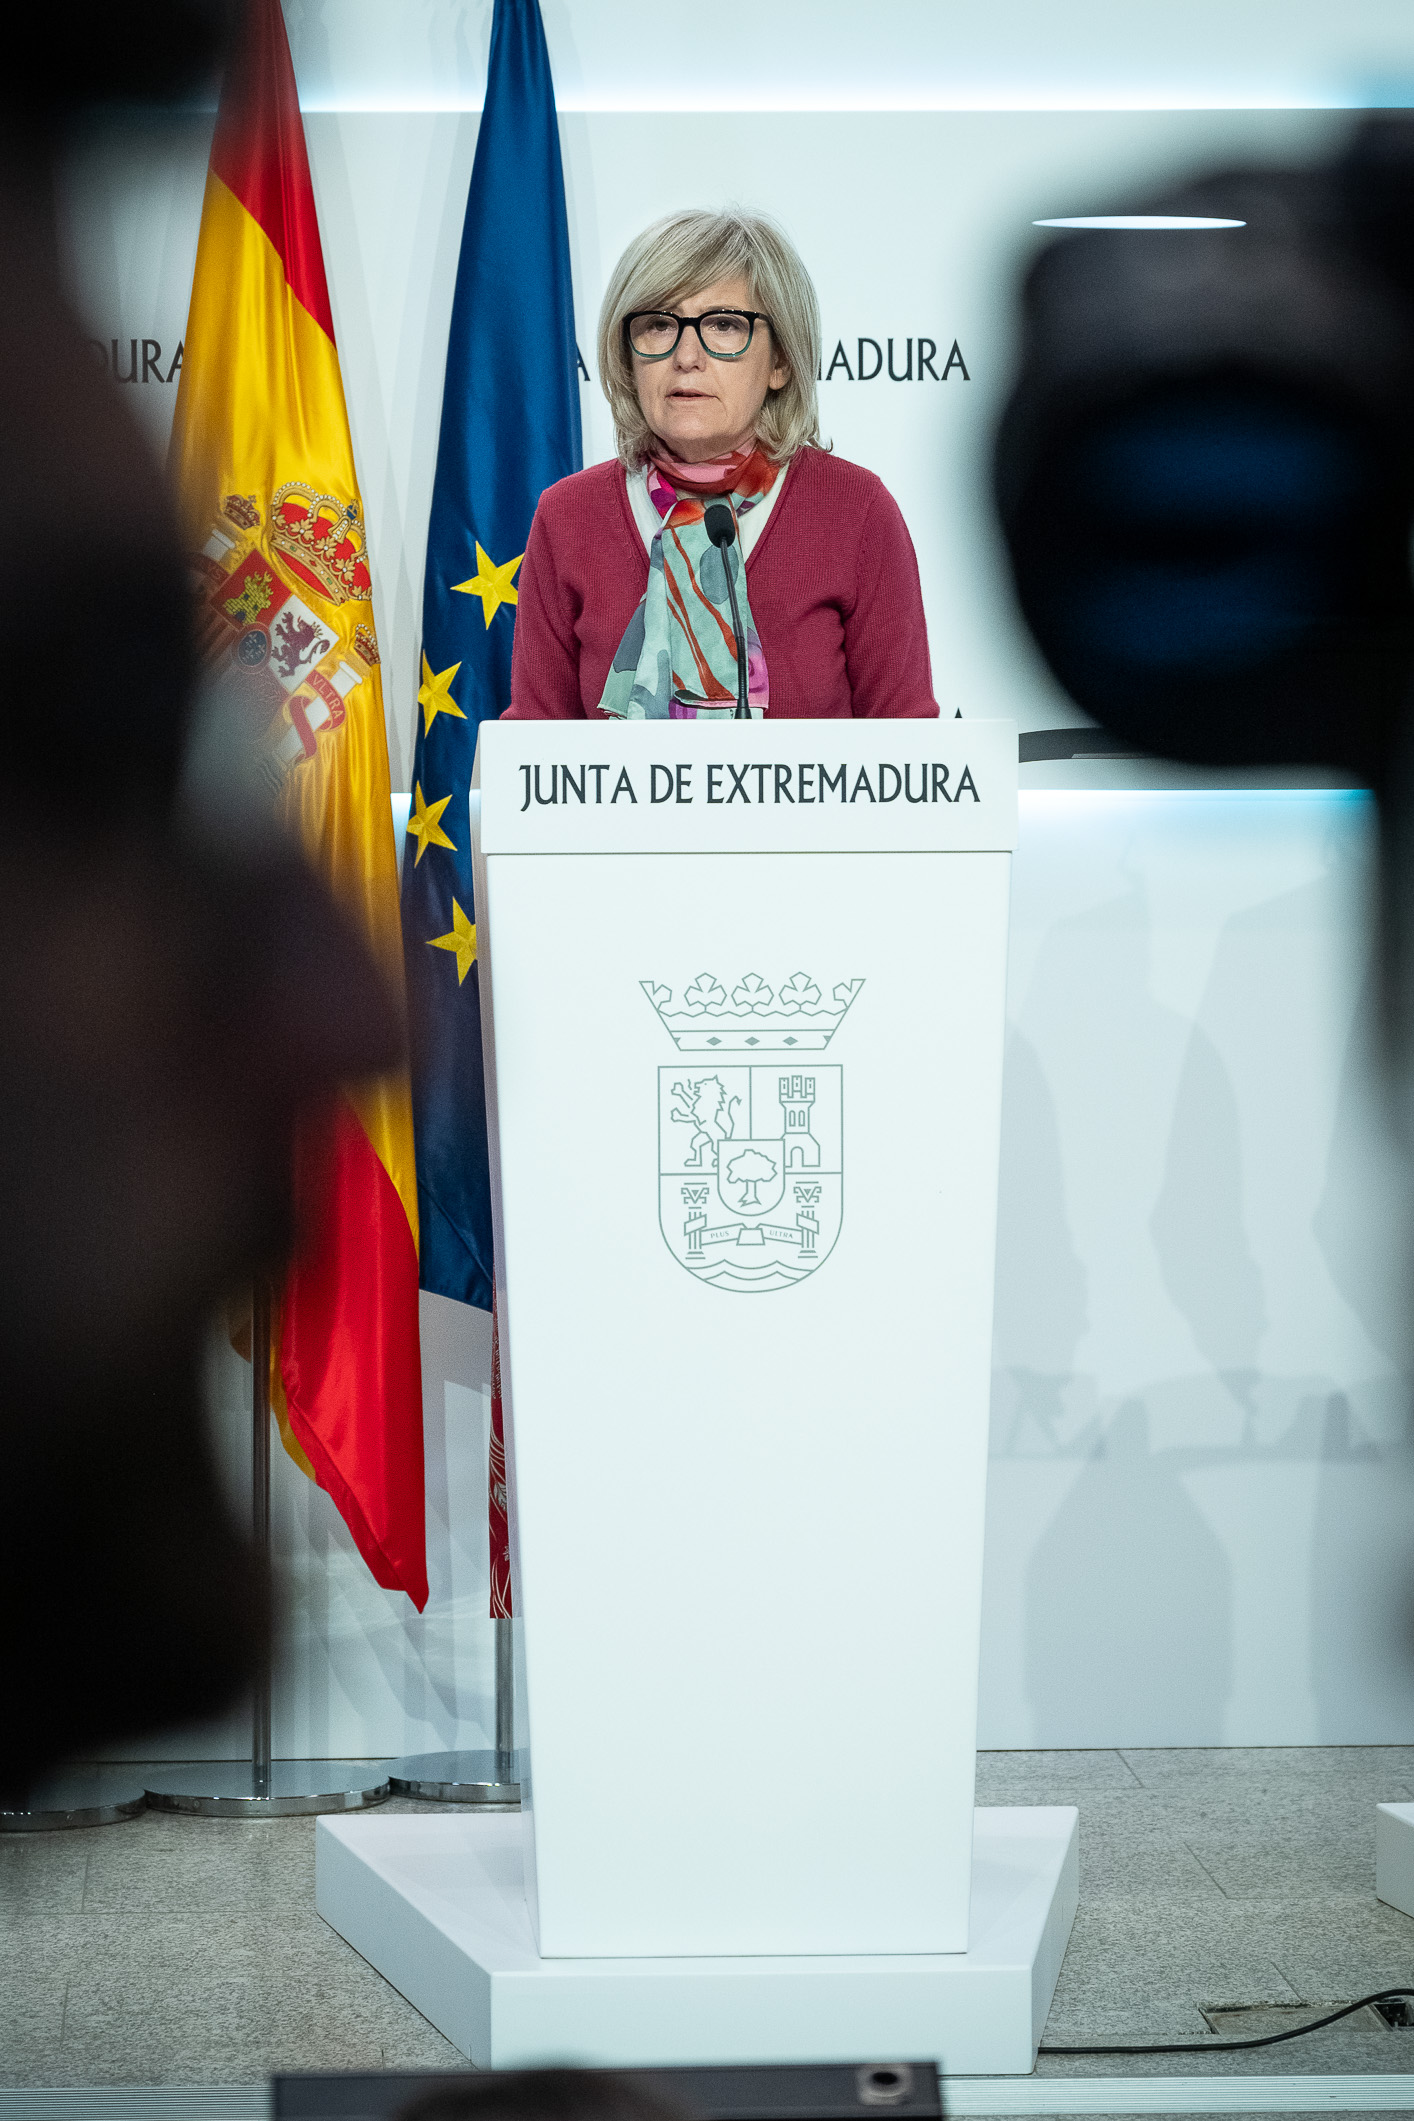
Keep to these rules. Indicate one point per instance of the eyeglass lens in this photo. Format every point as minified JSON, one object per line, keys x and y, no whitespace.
{"x":723,"y":332}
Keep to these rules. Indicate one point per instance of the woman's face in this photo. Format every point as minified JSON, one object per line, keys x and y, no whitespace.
{"x":704,"y":408}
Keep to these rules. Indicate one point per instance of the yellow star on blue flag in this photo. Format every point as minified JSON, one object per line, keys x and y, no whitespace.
{"x":424,"y":825}
{"x":461,"y":939}
{"x":491,"y":583}
{"x":434,"y":695}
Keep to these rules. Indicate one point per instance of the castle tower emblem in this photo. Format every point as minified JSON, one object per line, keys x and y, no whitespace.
{"x":797,"y":1094}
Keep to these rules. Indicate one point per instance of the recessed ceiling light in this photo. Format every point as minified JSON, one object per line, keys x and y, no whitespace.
{"x":1137,"y":221}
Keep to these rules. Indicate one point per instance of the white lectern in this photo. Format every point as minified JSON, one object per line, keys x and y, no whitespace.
{"x":742,"y":987}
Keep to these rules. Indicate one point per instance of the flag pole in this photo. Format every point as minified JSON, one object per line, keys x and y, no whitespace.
{"x":263,"y":1788}
{"x":483,"y":1778}
{"x":505,"y":1699}
{"x":260,"y":1527}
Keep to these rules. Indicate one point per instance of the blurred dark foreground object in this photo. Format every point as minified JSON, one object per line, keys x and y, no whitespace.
{"x":173,"y":998}
{"x":822,"y":2091}
{"x":1205,"y":472}
{"x":1205,"y":478}
{"x":90,"y":54}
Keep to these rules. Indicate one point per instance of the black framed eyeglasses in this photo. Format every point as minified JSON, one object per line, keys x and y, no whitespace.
{"x":725,"y":334}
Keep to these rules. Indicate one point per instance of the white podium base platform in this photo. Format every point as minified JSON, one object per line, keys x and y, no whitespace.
{"x":436,"y":1902}
{"x":1394,"y":1855}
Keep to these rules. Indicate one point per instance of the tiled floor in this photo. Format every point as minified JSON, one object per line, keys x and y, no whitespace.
{"x":185,"y":1951}
{"x":1222,"y":1878}
{"x":168,"y":1950}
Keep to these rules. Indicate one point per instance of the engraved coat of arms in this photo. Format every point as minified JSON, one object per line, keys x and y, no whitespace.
{"x":750,"y":1129}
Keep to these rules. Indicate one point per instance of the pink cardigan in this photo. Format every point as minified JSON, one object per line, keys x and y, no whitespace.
{"x":833,"y":582}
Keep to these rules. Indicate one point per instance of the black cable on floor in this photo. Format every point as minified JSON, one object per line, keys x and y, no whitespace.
{"x":1227,"y":2047}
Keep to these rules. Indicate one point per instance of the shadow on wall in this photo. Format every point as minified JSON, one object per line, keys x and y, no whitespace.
{"x":1200,"y":1238}
{"x":1041,"y":1282}
{"x":1086,"y":1074}
{"x":1129,"y":1580}
{"x":1217,"y":1551}
{"x":1126,"y":1613}
{"x":1329,"y":1191}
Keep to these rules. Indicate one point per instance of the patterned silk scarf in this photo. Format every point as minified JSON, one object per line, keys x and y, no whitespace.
{"x":677,"y":659}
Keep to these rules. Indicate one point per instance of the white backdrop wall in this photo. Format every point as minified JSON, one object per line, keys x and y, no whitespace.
{"x":891,"y":55}
{"x":1200,"y":1484}
{"x":1201,"y":1499}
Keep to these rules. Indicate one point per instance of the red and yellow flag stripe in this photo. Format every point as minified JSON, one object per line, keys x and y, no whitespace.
{"x":264,"y":461}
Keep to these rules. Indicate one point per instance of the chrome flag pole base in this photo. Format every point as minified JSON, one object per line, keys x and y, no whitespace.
{"x":287,"y":1789}
{"x":459,"y":1778}
{"x":489,"y":1778}
{"x":77,"y":1796}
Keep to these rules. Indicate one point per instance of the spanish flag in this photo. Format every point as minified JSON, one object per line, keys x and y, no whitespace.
{"x":264,"y":465}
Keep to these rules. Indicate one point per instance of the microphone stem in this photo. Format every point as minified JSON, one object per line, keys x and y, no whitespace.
{"x":743,"y":711}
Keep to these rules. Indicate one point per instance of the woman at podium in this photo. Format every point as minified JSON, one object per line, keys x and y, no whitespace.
{"x":709,"y":346}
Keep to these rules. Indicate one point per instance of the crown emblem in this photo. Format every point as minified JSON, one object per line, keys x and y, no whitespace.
{"x":709,"y":1020}
{"x":323,"y":541}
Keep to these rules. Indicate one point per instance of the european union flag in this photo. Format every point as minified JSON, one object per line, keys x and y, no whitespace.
{"x":510,"y":428}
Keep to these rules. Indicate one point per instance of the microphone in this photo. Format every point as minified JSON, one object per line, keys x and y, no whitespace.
{"x":720,"y":525}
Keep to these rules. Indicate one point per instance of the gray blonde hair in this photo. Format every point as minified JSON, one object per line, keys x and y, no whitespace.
{"x":677,"y":257}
